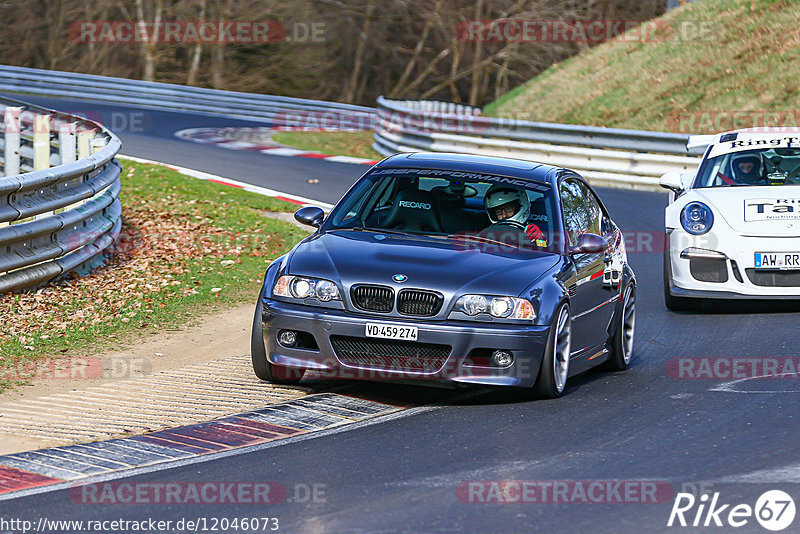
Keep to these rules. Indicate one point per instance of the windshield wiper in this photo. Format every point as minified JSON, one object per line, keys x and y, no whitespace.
{"x":479,"y":239}
{"x":389,"y":231}
{"x":378,"y":230}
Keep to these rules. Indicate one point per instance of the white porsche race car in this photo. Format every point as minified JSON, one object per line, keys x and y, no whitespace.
{"x":733,"y":227}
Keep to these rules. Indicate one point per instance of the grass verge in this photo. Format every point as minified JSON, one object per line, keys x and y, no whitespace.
{"x":706,"y":61}
{"x":187,"y":247}
{"x":355,"y":144}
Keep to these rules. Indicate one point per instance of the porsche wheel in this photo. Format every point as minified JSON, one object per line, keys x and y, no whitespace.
{"x":261,"y":365}
{"x":554,"y":370}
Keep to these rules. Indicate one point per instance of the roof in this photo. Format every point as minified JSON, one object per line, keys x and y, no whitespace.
{"x":735,"y":138}
{"x":517,"y":168}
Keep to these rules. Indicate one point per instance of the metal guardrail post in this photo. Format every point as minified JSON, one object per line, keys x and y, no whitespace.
{"x":11,"y":126}
{"x":67,"y":142}
{"x":41,"y":142}
{"x":84,"y":143}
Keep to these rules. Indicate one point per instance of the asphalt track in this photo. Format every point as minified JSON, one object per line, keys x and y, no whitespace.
{"x":403,"y":474}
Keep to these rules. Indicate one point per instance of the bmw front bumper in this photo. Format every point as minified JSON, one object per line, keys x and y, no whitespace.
{"x":462,"y":339}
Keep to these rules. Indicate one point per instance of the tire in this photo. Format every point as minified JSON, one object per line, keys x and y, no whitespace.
{"x":258,"y":353}
{"x":672,"y":302}
{"x":622,"y":341}
{"x":554,"y":370}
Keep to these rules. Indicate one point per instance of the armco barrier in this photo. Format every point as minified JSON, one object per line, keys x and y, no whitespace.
{"x":606,"y":156}
{"x":59,"y":194}
{"x":278,"y":110}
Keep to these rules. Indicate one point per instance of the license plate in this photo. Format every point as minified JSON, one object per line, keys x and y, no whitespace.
{"x":777,"y":260}
{"x":392,"y":331}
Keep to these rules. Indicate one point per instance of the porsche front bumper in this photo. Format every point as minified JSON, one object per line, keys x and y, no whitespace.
{"x":723,"y":266}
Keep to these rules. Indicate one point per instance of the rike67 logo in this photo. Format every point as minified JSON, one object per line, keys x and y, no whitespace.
{"x":774,"y":510}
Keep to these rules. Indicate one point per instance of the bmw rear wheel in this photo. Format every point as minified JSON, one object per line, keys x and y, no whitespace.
{"x":554,"y":370}
{"x":622,"y":342}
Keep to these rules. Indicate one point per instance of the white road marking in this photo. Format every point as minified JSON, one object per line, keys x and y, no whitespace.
{"x":730,"y":386}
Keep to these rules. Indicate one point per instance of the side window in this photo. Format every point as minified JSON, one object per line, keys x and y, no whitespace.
{"x":595,"y":211}
{"x":576,"y":213}
{"x":386,"y":196}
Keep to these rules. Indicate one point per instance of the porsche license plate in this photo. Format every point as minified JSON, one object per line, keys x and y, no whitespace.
{"x":777,"y":260}
{"x":392,"y":331}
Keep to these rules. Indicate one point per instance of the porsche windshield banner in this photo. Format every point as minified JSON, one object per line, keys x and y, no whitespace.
{"x":755,"y":142}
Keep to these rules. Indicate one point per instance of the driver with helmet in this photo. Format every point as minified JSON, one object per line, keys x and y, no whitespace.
{"x":746,"y":169}
{"x":510,"y":206}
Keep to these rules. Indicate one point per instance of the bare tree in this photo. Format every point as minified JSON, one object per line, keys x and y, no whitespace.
{"x":148,"y":40}
{"x":401,"y":48}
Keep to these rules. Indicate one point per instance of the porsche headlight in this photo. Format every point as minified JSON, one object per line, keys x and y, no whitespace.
{"x":697,"y":218}
{"x":301,"y":287}
{"x":500,"y":307}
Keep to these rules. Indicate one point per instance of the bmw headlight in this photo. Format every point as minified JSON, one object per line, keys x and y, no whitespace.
{"x":500,"y":307}
{"x":697,"y":218}
{"x":301,"y":287}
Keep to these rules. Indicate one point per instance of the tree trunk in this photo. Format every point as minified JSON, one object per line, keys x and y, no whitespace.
{"x":399,"y":86}
{"x":148,"y":41}
{"x":352,"y":84}
{"x":198,"y":51}
{"x":476,"y":72}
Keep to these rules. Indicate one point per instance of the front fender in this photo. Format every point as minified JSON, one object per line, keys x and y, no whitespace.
{"x":548,"y":292}
{"x":274,"y":268}
{"x":627,"y":278}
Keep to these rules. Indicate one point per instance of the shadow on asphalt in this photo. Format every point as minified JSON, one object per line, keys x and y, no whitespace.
{"x":412,"y":395}
{"x":741,"y":307}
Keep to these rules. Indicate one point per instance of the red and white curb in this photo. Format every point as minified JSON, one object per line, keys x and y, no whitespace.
{"x":212,"y":136}
{"x":200,"y":175}
{"x":29,"y":472}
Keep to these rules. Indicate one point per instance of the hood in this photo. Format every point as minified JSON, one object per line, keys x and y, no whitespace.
{"x":761,"y":211}
{"x":447,"y":266}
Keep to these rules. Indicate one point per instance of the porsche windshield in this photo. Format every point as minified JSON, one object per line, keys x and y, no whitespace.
{"x":774,"y":166}
{"x":445,"y":204}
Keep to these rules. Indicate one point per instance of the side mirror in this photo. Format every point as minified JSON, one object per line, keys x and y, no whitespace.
{"x":310,"y":215}
{"x":589,"y":244}
{"x":671,"y":180}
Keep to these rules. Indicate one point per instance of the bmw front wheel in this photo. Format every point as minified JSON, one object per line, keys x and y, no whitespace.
{"x":554,"y":369}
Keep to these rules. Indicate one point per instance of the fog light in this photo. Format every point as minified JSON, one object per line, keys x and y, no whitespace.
{"x":502,"y":358}
{"x":287,"y":338}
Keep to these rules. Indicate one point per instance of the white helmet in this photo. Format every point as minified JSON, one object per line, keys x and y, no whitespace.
{"x":499,"y":195}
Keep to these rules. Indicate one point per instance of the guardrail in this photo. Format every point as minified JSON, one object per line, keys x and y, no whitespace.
{"x":278,"y":110}
{"x":59,"y":194}
{"x":605,"y":156}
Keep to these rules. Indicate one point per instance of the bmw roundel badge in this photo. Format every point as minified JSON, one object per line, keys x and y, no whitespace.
{"x":399,"y":278}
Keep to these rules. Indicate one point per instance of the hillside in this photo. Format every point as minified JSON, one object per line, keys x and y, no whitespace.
{"x":746,"y":59}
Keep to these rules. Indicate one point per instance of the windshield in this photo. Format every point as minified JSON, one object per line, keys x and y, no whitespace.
{"x":452,"y":205}
{"x":773,"y":166}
